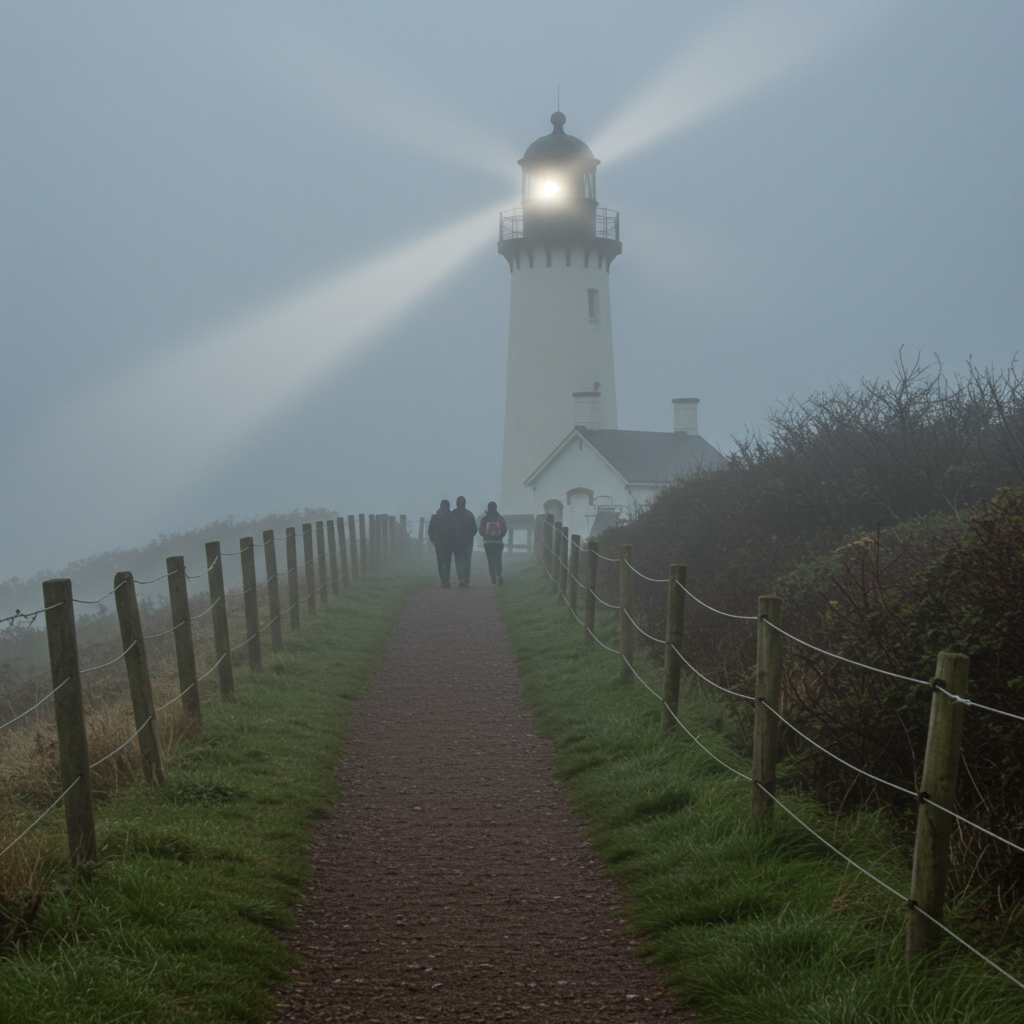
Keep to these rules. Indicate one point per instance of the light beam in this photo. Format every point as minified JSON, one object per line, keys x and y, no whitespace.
{"x":755,"y":46}
{"x":153,"y":429}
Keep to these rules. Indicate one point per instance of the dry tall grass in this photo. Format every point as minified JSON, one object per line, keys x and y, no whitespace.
{"x":29,"y":759}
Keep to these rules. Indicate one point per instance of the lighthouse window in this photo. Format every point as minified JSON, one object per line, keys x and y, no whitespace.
{"x":590,"y":185}
{"x":593,"y":309}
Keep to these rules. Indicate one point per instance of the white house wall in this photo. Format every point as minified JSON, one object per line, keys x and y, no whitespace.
{"x":579,"y":465}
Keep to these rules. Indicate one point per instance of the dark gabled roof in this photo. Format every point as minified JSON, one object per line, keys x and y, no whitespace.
{"x":652,"y":456}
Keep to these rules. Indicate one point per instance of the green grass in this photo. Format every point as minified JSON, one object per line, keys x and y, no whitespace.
{"x":745,"y":927}
{"x":176,"y":920}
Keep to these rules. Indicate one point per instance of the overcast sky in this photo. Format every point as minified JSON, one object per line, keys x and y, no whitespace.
{"x":247,"y":250}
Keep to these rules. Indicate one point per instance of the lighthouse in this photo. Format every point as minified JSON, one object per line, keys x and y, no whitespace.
{"x":559,"y":246}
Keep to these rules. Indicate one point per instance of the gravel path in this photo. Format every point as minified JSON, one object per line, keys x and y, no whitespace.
{"x":454,"y":882}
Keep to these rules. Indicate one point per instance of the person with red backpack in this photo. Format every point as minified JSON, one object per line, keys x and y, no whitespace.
{"x":493,"y":529}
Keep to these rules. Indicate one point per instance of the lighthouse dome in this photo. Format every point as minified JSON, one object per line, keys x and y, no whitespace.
{"x":559,"y":148}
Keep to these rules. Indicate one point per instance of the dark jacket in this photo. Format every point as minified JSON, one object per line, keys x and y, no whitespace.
{"x":465,"y":527}
{"x":493,"y":517}
{"x":442,"y":530}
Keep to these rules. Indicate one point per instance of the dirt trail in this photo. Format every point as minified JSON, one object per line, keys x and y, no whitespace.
{"x":454,"y":882}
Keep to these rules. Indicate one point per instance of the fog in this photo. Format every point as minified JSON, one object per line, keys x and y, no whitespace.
{"x":247,"y":250}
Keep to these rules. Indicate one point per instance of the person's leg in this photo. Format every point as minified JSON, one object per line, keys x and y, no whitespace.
{"x":493,"y":553}
{"x":463,"y":554}
{"x":498,"y":548}
{"x":444,"y":566}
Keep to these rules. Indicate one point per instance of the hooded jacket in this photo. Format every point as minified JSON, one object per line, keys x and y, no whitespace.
{"x":465,"y":524}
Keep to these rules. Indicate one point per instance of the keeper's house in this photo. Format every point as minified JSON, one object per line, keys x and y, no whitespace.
{"x":594,"y":476}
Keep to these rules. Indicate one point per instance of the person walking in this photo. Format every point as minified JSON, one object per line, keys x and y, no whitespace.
{"x":442,"y":534}
{"x":493,"y":529}
{"x":465,"y":531}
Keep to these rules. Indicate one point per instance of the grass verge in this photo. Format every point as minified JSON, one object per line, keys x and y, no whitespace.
{"x":176,"y":920}
{"x":747,"y":929}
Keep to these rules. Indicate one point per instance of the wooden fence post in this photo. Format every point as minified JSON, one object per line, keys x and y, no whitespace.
{"x":555,"y":569}
{"x":332,"y":555}
{"x":321,"y":561}
{"x":70,"y":714}
{"x":590,"y":598}
{"x":139,"y":685}
{"x":423,"y":522}
{"x":627,"y":609}
{"x":563,"y":563}
{"x":673,"y":644}
{"x":363,"y":547}
{"x":273,"y":590}
{"x":343,"y":552}
{"x":250,"y":598}
{"x":538,"y":537}
{"x":574,"y":572}
{"x":768,"y":690}
{"x":291,"y":553}
{"x":938,"y":784}
{"x":356,"y":567}
{"x":403,"y":536}
{"x":181,"y":620}
{"x":219,"y":617}
{"x":307,"y":556}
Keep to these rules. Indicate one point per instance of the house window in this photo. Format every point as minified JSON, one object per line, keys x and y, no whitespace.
{"x":593,"y":309}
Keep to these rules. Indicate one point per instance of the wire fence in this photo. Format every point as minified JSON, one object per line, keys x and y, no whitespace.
{"x":258,"y":600}
{"x":552,"y":552}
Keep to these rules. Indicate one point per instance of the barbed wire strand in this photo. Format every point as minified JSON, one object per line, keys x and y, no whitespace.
{"x":177,"y":696}
{"x":836,"y":757}
{"x":208,"y":671}
{"x":34,"y":706}
{"x":107,"y":664}
{"x":974,"y":704}
{"x":242,"y":644}
{"x":146,"y":583}
{"x":153,"y":636}
{"x":710,"y":608}
{"x":849,"y":661}
{"x":206,"y":611}
{"x":638,"y":628}
{"x":967,"y":821}
{"x":710,"y":682}
{"x":100,"y":600}
{"x":679,"y":722}
{"x":41,"y":816}
{"x":200,"y":575}
{"x":31,"y":615}
{"x":263,"y":629}
{"x":649,"y":579}
{"x":123,"y":745}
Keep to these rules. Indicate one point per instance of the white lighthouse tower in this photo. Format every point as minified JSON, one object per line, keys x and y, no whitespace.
{"x":559,"y":246}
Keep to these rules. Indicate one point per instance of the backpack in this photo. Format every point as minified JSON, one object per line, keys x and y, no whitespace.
{"x":492,"y":530}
